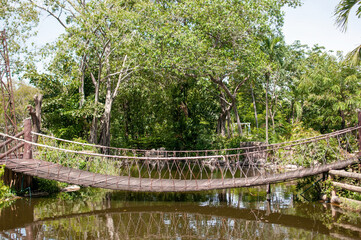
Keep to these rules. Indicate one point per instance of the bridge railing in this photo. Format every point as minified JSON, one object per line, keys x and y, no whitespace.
{"x":246,"y":166}
{"x":161,"y":152}
{"x":246,"y":162}
{"x":14,"y":147}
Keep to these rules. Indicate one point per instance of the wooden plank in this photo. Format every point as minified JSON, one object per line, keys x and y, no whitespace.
{"x":343,"y":173}
{"x":347,"y":187}
{"x":64,"y":174}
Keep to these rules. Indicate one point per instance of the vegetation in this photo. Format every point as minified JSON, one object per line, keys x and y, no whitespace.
{"x":5,"y":191}
{"x":179,"y":74}
{"x":150,"y":74}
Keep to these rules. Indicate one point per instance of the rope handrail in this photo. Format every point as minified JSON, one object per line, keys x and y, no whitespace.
{"x":292,"y":143}
{"x":105,"y":155}
{"x":161,"y":172}
{"x":266,"y":148}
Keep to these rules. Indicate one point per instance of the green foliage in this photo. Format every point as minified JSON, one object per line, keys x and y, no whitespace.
{"x":308,"y":189}
{"x":49,"y":186}
{"x":5,"y":191}
{"x":182,"y":67}
{"x":345,"y":193}
{"x":23,"y":97}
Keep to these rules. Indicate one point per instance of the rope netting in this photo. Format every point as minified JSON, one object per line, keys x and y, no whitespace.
{"x":158,"y":225}
{"x":138,"y":170}
{"x":161,"y":152}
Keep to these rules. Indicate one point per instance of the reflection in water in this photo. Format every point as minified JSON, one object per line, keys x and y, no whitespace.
{"x":158,"y":225}
{"x":236,"y":214}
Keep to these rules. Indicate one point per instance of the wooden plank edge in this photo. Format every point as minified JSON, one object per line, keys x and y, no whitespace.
{"x":343,"y":173}
{"x":347,"y":186}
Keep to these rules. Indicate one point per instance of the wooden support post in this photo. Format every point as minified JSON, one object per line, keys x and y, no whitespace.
{"x":21,"y":181}
{"x":268,"y":192}
{"x":27,"y":181}
{"x":28,"y":154}
{"x":36,"y":115}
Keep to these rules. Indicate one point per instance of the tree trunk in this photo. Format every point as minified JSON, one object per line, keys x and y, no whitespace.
{"x":254,"y":106}
{"x":94,"y":127}
{"x":221,"y":126}
{"x":105,"y":121}
{"x":343,"y":121}
{"x":267,"y":75}
{"x":273,"y":121}
{"x":230,"y":130}
{"x":82,"y":78}
{"x":233,"y":98}
{"x":36,"y":115}
{"x":239,"y":126}
{"x":222,"y":119}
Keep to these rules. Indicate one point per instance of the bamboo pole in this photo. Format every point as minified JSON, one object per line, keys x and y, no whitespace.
{"x":347,"y":187}
{"x":342,"y":173}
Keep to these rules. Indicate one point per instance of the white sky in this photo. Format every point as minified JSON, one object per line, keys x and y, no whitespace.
{"x":314,"y":23}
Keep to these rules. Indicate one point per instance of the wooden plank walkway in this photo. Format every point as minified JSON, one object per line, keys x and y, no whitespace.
{"x":53,"y":171}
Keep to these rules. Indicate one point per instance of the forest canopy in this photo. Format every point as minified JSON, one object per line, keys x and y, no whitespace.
{"x":178,"y":74}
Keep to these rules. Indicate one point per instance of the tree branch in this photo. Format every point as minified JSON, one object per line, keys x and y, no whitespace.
{"x":93,"y":78}
{"x":50,"y":13}
{"x":240,"y":84}
{"x":224,"y":100}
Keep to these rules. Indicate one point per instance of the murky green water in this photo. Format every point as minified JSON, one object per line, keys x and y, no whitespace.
{"x":231,"y":214}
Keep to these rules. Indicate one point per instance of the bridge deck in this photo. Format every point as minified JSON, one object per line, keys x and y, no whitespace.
{"x":53,"y":171}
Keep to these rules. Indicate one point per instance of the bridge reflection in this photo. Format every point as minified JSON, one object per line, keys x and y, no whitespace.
{"x":110,"y":219}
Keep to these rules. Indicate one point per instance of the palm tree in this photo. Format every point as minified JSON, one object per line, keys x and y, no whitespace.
{"x":342,"y":13}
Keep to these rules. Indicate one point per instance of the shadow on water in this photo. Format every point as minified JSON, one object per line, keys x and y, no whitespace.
{"x":227,"y":214}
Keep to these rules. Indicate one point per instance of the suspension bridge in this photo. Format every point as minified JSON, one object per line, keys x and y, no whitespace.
{"x":176,"y":171}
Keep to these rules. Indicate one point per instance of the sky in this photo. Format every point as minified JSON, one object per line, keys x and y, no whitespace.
{"x":312,"y":23}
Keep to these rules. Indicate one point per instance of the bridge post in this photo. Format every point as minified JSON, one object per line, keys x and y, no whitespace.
{"x":20,"y":181}
{"x":268,"y":192}
{"x":28,"y":154}
{"x":26,"y":180}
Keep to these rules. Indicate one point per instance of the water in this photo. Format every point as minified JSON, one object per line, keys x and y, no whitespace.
{"x":228,"y":214}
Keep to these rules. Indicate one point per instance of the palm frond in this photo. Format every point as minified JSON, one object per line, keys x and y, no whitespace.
{"x":354,"y":57}
{"x":343,"y":10}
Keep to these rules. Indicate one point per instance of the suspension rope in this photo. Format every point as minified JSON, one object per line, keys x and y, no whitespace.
{"x":264,"y":148}
{"x":288,"y":144}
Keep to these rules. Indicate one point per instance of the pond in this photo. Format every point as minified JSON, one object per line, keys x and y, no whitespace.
{"x":226,"y":214}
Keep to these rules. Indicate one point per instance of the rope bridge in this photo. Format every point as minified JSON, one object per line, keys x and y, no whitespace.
{"x":176,"y":171}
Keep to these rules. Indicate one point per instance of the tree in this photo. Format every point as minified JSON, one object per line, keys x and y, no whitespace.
{"x":99,"y":37}
{"x":217,"y":41}
{"x":170,"y":68}
{"x":342,"y":13}
{"x":18,"y":18}
{"x":331,"y":92}
{"x":273,"y":49}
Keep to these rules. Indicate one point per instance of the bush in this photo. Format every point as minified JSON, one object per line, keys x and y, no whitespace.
{"x":49,"y":186}
{"x":5,"y":191}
